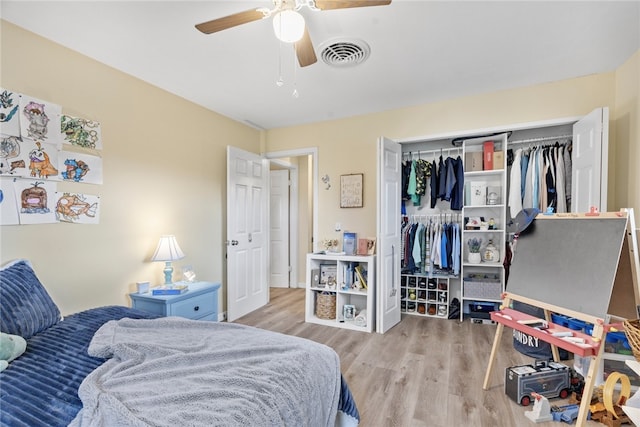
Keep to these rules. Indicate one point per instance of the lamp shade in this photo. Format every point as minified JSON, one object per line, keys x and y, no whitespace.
{"x":167,"y":250}
{"x":288,"y":26}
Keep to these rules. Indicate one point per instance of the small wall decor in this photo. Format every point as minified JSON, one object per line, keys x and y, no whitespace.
{"x":327,"y":181}
{"x":36,"y":201}
{"x":80,"y":132}
{"x":78,"y":208}
{"x":79,"y":167}
{"x":9,"y":117}
{"x":351,"y":190}
{"x":39,"y":120}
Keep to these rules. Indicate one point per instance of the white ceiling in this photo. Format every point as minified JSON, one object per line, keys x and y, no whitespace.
{"x":421,"y":51}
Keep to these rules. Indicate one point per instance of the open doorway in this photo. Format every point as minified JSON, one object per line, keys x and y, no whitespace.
{"x":295,"y":171}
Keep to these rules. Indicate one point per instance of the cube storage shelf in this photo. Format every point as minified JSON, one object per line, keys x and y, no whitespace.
{"x":340,"y":273}
{"x":423,"y":295}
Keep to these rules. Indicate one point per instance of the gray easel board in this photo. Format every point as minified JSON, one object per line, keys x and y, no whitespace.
{"x":573,"y":262}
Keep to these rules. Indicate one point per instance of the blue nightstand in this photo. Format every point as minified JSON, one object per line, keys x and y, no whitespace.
{"x":200,"y":302}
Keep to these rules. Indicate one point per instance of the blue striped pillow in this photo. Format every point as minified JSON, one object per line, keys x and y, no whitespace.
{"x":25,"y":306}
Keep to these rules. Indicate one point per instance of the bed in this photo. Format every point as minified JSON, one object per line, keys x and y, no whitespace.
{"x":115,"y":365}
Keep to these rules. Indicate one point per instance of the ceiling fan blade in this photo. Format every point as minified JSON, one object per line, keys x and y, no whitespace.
{"x":345,"y":4}
{"x":230,"y":21}
{"x":304,"y":50}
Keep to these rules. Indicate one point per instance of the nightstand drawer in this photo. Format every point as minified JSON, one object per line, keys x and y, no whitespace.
{"x":200,"y":302}
{"x":194,"y":308}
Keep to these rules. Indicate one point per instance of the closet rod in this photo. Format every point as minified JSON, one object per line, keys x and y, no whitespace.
{"x":545,"y":138}
{"x":437,"y":151}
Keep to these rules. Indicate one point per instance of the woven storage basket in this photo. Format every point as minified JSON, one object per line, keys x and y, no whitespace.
{"x":326,"y":305}
{"x":632,"y":331}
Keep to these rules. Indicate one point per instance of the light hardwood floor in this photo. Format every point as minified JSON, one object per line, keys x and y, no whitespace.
{"x":423,"y":372}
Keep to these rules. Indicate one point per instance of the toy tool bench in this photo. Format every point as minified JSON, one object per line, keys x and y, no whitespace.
{"x":555,"y":268}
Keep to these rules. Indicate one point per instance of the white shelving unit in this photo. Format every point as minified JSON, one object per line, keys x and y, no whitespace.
{"x":482,"y":284}
{"x":343,"y":289}
{"x":423,"y":295}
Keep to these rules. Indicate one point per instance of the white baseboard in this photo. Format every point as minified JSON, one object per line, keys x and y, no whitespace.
{"x":222,"y":317}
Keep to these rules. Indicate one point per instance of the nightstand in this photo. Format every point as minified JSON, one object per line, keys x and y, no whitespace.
{"x":200,"y":302}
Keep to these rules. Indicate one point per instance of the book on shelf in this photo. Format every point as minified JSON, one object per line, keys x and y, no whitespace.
{"x":170,"y":289}
{"x":362,"y":276}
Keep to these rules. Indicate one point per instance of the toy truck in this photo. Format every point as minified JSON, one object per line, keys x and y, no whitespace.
{"x":549,"y":379}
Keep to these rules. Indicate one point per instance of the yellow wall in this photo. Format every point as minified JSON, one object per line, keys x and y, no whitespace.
{"x":626,"y":122}
{"x":164,"y":173}
{"x":349,"y":145}
{"x":164,"y":162}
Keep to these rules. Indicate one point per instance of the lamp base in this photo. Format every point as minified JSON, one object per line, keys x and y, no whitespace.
{"x":168,"y":271}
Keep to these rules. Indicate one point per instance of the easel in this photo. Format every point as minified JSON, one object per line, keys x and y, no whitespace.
{"x":618,"y":301}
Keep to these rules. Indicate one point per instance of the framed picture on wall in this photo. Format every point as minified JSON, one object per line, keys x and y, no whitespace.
{"x":351,"y":190}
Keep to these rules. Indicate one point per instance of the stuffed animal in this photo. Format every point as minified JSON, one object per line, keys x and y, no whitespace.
{"x":11,"y":346}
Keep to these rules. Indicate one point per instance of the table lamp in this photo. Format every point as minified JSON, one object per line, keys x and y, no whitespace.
{"x":168,"y":250}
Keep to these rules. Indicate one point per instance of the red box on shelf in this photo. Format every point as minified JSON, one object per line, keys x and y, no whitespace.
{"x":487,"y":159}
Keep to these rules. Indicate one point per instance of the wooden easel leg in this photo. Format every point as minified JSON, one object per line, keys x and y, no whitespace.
{"x":590,"y":381}
{"x":554,"y":349}
{"x":492,"y":357}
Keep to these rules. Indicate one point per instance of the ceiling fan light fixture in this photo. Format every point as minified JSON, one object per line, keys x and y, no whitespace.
{"x":288,"y":26}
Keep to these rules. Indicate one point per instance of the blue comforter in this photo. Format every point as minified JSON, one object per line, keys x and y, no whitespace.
{"x":40,"y":388}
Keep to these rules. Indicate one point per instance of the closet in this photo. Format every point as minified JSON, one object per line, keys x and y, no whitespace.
{"x":586,"y":138}
{"x":431,"y":206}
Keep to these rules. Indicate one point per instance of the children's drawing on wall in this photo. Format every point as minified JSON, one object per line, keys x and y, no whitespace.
{"x":42,"y":159}
{"x":79,"y":167}
{"x":8,"y":203}
{"x":9,"y":152}
{"x":78,"y":208}
{"x":80,"y":132}
{"x":39,"y":120}
{"x":31,"y":159}
{"x":9,"y":117}
{"x":36,"y":201}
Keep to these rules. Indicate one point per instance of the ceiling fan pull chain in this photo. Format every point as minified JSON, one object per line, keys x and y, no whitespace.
{"x":295,"y":93}
{"x":280,"y":81}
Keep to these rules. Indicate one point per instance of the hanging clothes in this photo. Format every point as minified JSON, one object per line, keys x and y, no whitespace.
{"x":405,"y":171}
{"x":423,"y":172}
{"x":434,"y":184}
{"x":560,"y":186}
{"x":542,"y":179}
{"x":515,"y":189}
{"x":442,"y":178}
{"x":457,"y":194}
{"x":411,"y":189}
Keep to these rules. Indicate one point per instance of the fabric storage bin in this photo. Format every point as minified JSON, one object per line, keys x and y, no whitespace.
{"x":481,"y":287}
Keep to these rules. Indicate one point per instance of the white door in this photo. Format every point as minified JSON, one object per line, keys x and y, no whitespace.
{"x":279,"y":229}
{"x":589,"y":162}
{"x":388,"y":260}
{"x":247,"y":232}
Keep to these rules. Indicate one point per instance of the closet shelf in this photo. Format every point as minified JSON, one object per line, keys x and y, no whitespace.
{"x":499,"y":206}
{"x":484,"y":173}
{"x":482,"y":264}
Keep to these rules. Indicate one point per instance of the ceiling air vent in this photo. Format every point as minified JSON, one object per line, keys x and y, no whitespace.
{"x":345,"y":53}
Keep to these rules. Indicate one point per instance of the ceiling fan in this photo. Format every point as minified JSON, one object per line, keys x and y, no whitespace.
{"x":288,"y":24}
